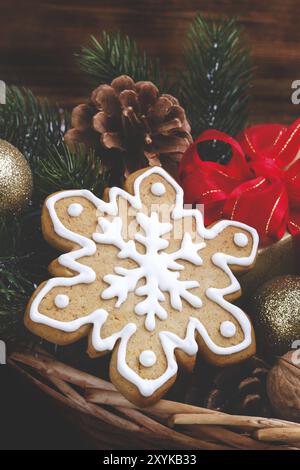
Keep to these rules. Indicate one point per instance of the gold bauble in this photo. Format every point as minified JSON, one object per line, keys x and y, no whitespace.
{"x":275,"y":311}
{"x":15,"y":179}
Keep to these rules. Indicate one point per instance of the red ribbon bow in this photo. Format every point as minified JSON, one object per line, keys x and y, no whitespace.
{"x":260,"y":185}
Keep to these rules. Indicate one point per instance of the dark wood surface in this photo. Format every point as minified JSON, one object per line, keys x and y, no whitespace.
{"x":37,"y":42}
{"x":38,"y":39}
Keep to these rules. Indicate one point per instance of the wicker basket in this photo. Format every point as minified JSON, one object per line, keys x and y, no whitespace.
{"x":112,"y":422}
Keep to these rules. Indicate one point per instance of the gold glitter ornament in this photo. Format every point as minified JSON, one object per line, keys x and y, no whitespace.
{"x":15,"y":179}
{"x":275,"y":311}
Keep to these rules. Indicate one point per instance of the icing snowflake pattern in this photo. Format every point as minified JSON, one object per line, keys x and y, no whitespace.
{"x":155,"y":274}
{"x":160,"y":269}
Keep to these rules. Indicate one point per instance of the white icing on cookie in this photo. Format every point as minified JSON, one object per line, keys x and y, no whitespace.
{"x":158,"y":189}
{"x":75,"y":209}
{"x":227,"y":329}
{"x":61,"y":301}
{"x":155,"y":266}
{"x":97,"y":318}
{"x":147,"y":358}
{"x":240,"y":239}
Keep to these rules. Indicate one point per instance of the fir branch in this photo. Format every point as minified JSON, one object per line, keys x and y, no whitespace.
{"x":215,"y":89}
{"x":9,"y":236}
{"x":15,"y":290}
{"x":70,"y":169}
{"x":115,"y":55}
{"x":31,"y":124}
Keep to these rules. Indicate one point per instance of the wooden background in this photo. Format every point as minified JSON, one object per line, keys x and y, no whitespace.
{"x":38,"y":39}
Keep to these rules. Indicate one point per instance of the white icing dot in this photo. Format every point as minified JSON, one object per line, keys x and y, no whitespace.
{"x":74,"y":210}
{"x":61,"y":301}
{"x":227,"y":329}
{"x":147,"y":358}
{"x":241,"y":240}
{"x":158,"y":189}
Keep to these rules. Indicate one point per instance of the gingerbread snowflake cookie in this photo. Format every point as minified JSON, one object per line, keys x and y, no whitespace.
{"x":144,"y":278}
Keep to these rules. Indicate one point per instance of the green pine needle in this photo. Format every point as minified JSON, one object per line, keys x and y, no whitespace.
{"x":29,"y":123}
{"x":215,"y":88}
{"x":15,"y":290}
{"x":70,"y":169}
{"x":116,"y":54}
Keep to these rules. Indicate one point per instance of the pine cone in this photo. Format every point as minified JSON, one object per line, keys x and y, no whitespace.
{"x":137,"y":127}
{"x":238,"y":389}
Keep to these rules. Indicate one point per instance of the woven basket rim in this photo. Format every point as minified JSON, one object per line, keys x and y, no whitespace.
{"x":108,"y":419}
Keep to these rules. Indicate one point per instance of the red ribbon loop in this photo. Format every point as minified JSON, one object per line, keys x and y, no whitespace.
{"x":259,"y":186}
